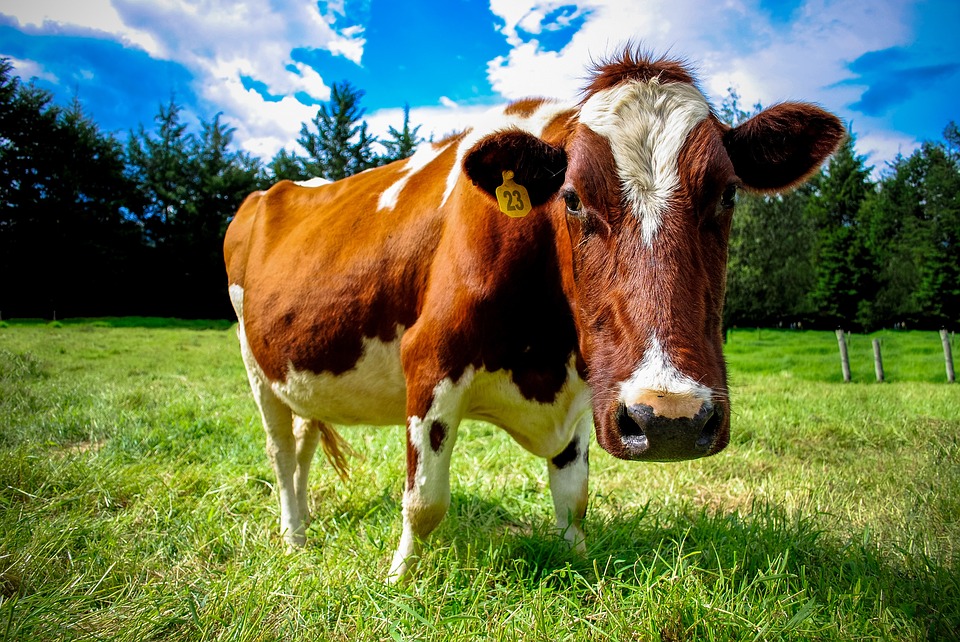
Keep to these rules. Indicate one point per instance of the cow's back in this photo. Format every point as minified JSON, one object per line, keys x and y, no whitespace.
{"x":314,"y":271}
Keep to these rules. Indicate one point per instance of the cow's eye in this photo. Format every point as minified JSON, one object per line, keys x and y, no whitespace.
{"x":729,"y":197}
{"x":574,"y":206}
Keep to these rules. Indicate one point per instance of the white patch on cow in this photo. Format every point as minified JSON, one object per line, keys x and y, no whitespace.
{"x":646,"y":124}
{"x":568,"y":486}
{"x":236,"y":298}
{"x":420,"y":159}
{"x":425,"y":502}
{"x":496,"y":120}
{"x":543,"y":429}
{"x":373,"y":392}
{"x":316,"y":181}
{"x":657,"y":373}
{"x":447,"y":408}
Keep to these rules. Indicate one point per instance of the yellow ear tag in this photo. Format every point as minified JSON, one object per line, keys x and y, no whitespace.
{"x":512,"y":198}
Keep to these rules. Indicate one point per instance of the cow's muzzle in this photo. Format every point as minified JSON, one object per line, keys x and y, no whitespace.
{"x":657,"y":431}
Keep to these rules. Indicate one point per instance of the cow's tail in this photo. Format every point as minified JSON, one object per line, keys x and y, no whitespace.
{"x":336,"y":448}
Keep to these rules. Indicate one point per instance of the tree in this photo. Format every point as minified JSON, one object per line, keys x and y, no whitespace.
{"x":844,"y":286}
{"x":160,"y":166}
{"x":65,"y":233}
{"x":914,"y":235}
{"x":341,"y":145}
{"x":731,"y":108}
{"x":769,"y":271}
{"x":287,"y":166}
{"x":189,"y":188}
{"x":402,"y":143}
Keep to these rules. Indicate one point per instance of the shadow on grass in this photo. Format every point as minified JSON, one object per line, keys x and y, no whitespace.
{"x":762,"y":550}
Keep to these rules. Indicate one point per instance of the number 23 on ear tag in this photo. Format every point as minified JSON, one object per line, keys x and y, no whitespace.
{"x":512,"y":198}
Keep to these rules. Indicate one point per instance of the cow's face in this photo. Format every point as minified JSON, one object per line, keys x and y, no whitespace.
{"x":646,"y":200}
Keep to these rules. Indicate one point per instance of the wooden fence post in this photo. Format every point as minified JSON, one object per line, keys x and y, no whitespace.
{"x":844,"y":358}
{"x":947,"y":355}
{"x":877,"y":360}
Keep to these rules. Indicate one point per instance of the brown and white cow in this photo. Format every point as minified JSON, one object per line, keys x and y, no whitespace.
{"x":404,"y":295}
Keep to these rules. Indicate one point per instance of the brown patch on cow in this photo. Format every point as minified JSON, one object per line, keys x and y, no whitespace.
{"x":321,"y":270}
{"x":632,"y":65}
{"x":525,"y":107}
{"x":560,"y":128}
{"x":704,"y":168}
{"x":438,"y":434}
{"x":413,"y":461}
{"x":493,"y":301}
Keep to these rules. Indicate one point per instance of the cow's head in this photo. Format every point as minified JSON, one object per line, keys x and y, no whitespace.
{"x":641,"y":185}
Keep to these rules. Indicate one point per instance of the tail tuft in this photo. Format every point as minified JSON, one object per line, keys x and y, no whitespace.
{"x":336,"y":449}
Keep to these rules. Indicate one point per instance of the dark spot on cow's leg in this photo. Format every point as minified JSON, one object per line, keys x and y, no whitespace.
{"x":438,"y":432}
{"x":567,"y":456}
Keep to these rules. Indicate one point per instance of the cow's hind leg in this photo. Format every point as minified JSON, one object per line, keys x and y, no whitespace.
{"x":426,"y":495}
{"x":569,"y":472}
{"x":307,"y":435}
{"x":282,"y":450}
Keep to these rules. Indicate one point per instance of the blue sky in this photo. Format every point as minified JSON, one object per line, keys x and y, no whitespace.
{"x":890,"y":68}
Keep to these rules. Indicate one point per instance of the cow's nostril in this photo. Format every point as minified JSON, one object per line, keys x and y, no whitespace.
{"x":630,"y":424}
{"x":708,"y":435}
{"x":629,"y":427}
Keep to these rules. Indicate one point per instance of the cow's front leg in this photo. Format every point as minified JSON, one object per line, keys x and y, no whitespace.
{"x":426,"y":496}
{"x":569,"y":472}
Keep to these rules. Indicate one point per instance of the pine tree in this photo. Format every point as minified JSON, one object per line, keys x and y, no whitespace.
{"x":844,"y":284}
{"x":402,"y":143}
{"x":340,"y":146}
{"x":769,"y":270}
{"x":64,"y":232}
{"x":189,"y":186}
{"x":160,"y":165}
{"x":287,"y":166}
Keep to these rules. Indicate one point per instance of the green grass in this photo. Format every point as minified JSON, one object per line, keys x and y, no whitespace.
{"x":136,"y":504}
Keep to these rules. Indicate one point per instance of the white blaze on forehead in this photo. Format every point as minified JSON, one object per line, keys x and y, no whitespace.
{"x":657,"y":373}
{"x":646,"y":124}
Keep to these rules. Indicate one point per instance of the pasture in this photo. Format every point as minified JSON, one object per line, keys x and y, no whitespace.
{"x":136,"y":504}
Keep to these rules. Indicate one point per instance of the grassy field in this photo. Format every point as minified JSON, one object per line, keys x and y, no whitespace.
{"x":136,"y":504}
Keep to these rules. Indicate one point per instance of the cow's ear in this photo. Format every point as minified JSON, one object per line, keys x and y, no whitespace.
{"x":781,"y":146}
{"x":536,"y":164}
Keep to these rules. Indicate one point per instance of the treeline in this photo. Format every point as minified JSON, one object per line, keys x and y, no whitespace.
{"x":848,"y":251}
{"x":93,"y":226}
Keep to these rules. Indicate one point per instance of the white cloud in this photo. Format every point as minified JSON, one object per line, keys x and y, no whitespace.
{"x":435,"y":122}
{"x":28,"y":69}
{"x":93,"y":15}
{"x":729,"y":42}
{"x":447,"y":102}
{"x":880,"y":147}
{"x":219,"y":41}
